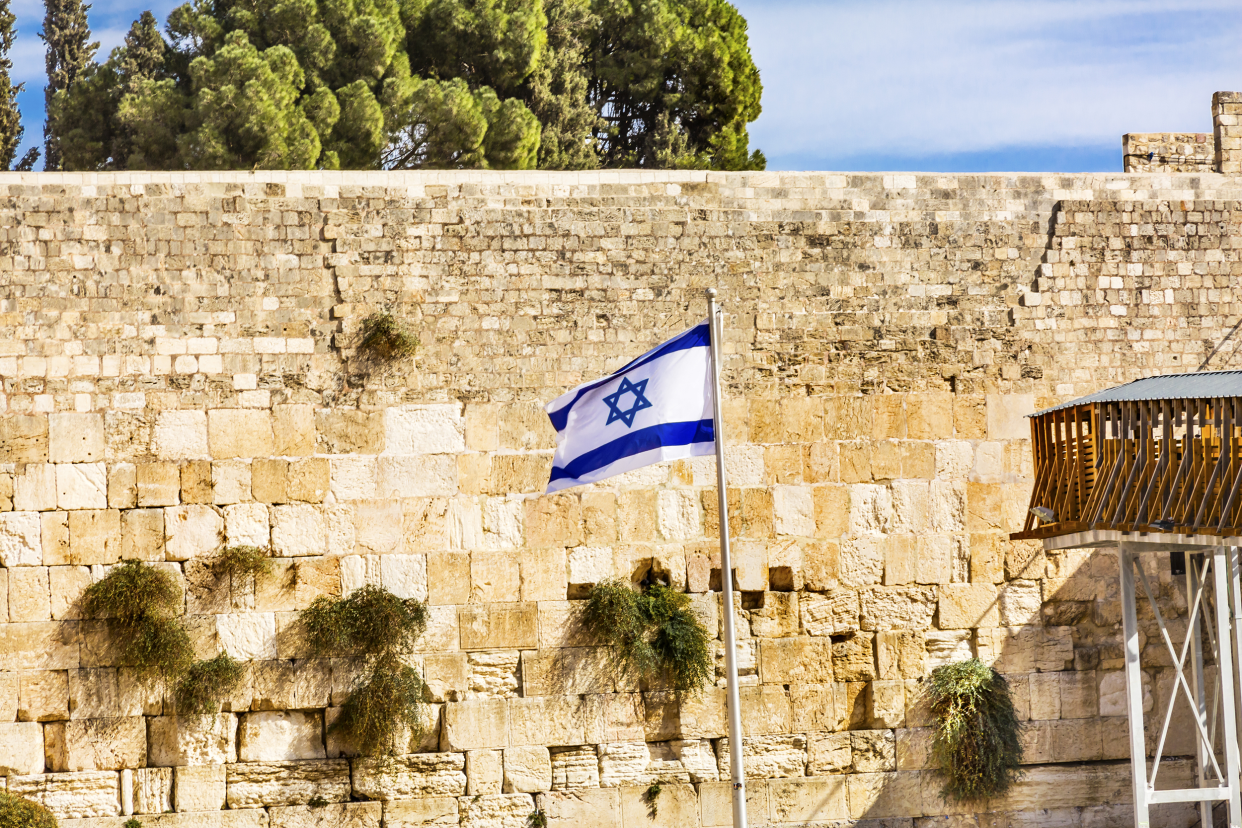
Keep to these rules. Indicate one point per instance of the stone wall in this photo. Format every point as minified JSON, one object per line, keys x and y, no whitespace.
{"x":180,"y":374}
{"x":1153,"y":152}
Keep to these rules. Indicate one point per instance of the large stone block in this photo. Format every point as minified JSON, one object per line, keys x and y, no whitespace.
{"x":527,"y":769}
{"x":239,"y":432}
{"x":767,"y":757}
{"x":142,"y":534}
{"x":547,"y":720}
{"x":191,"y":531}
{"x":499,"y":626}
{"x":180,"y":435}
{"x":812,"y":801}
{"x":677,"y":806}
{"x":329,"y":815}
{"x":157,"y":484}
{"x":470,"y":725}
{"x":280,"y":736}
{"x":902,"y":607}
{"x":263,"y":784}
{"x":417,"y":775}
{"x":44,"y":645}
{"x":574,"y":767}
{"x":964,"y":606}
{"x":29,"y":597}
{"x":21,"y":539}
{"x":75,"y":437}
{"x":105,"y":744}
{"x":597,"y":807}
{"x":299,"y":530}
{"x":795,"y":660}
{"x":199,"y":788}
{"x":419,"y":813}
{"x":173,"y":741}
{"x":81,"y":486}
{"x":23,"y":439}
{"x":423,"y":429}
{"x":72,"y":795}
{"x":95,"y":537}
{"x":399,"y":476}
{"x":43,"y":696}
{"x":497,"y":811}
{"x":248,"y":635}
{"x":153,"y":790}
{"x":21,"y":748}
{"x":716,"y":800}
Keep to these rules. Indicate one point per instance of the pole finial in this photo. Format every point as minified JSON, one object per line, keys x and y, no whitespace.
{"x":711,"y":293}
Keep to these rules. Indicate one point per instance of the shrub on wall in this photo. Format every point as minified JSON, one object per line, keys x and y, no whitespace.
{"x":977,"y":741}
{"x":652,"y":633}
{"x":383,"y":337}
{"x":206,"y":682}
{"x":241,"y":561}
{"x":16,"y":812}
{"x":385,"y":704}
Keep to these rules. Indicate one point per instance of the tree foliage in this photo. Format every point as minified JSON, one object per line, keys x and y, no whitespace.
{"x":11,"y":130}
{"x":70,"y":53}
{"x":977,"y":741}
{"x":408,"y":84}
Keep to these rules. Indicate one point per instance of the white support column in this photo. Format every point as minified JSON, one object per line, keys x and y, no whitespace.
{"x":1225,"y":665}
{"x":1134,"y":686}
{"x":1194,"y":586}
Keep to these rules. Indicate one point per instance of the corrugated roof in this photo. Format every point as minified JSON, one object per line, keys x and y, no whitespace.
{"x":1204,"y":384}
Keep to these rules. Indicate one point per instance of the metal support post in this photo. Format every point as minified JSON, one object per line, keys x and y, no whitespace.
{"x":1194,"y":589}
{"x":1134,"y":686}
{"x":1225,"y":666}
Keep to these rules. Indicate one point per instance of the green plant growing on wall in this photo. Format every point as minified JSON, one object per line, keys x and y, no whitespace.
{"x":207,"y":681}
{"x":385,"y":703}
{"x":132,"y":823}
{"x":16,"y":812}
{"x":977,"y":740}
{"x":141,"y":603}
{"x":651,"y":797}
{"x":242,"y":561}
{"x":537,"y":819}
{"x":383,"y":337}
{"x":653,"y":632}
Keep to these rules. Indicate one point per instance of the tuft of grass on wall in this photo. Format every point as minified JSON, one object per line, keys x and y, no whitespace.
{"x":206,"y":682}
{"x":384,"y":708}
{"x":384,"y":337}
{"x":141,"y":603}
{"x":16,"y":812}
{"x":652,"y":632}
{"x":240,"y":561}
{"x":977,"y":740}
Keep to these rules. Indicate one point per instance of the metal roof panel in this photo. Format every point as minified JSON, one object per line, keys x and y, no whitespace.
{"x":1195,"y":385}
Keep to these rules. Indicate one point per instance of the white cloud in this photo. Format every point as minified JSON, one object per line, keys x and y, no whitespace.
{"x":927,"y":78}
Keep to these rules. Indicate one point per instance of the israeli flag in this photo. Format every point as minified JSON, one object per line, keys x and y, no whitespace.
{"x":658,"y":407}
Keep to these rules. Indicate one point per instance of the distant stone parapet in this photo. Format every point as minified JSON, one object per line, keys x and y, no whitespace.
{"x":1227,"y":124}
{"x":1146,"y":152}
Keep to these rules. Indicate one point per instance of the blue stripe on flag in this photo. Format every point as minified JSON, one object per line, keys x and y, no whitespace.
{"x":697,"y":337}
{"x":645,"y":439}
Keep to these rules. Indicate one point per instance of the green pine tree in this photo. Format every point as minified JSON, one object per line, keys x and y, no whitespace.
{"x":69,"y":54}
{"x":11,"y":130}
{"x":558,"y":89}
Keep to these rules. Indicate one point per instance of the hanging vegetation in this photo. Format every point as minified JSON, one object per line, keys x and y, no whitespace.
{"x":383,"y":338}
{"x":142,"y":605}
{"x":242,"y":561}
{"x":16,"y":812}
{"x":652,"y":633}
{"x":384,"y":707}
{"x":977,"y":741}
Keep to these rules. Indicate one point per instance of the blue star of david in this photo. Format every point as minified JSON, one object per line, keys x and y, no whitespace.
{"x":640,"y":402}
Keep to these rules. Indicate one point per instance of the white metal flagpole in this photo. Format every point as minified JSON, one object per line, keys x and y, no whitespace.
{"x":726,"y":578}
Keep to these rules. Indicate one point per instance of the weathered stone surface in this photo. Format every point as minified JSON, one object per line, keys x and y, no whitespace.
{"x":71,"y":795}
{"x":483,"y":723}
{"x":418,"y":813}
{"x":153,"y":790}
{"x":20,"y":539}
{"x":574,"y":767}
{"x":419,"y":775}
{"x":767,"y":757}
{"x":599,"y":807}
{"x":191,"y":531}
{"x":43,"y":696}
{"x":280,"y":736}
{"x":497,"y":811}
{"x":260,"y":784}
{"x":192,"y":740}
{"x":328,"y":815}
{"x":829,"y":753}
{"x":423,"y":429}
{"x":623,"y":763}
{"x":873,"y":750}
{"x":499,"y":626}
{"x":527,"y":769}
{"x":199,"y":788}
{"x":21,"y":748}
{"x":832,"y":613}
{"x":105,"y":744}
{"x":180,"y":435}
{"x":484,"y":772}
{"x":81,"y":486}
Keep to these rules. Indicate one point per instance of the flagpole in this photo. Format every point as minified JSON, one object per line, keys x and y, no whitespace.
{"x":726,"y":578}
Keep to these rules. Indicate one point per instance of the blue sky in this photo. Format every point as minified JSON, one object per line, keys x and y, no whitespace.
{"x":953,"y":86}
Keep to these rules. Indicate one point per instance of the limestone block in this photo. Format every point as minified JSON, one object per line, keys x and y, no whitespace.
{"x":901,"y":607}
{"x":239,"y":432}
{"x":293,"y":427}
{"x":29,"y":596}
{"x":494,"y":577}
{"x":24,"y":439}
{"x":862,"y":561}
{"x":570,"y":670}
{"x":298,"y":530}
{"x":159,"y":484}
{"x":543,"y":575}
{"x":191,"y":531}
{"x":424,"y":429}
{"x":1020,"y":603}
{"x":777,"y":618}
{"x":309,"y":480}
{"x":716,"y":799}
{"x":43,"y":696}
{"x":854,"y":658}
{"x":9,"y":685}
{"x":299,"y":684}
{"x":767,"y":757}
{"x":199,"y":788}
{"x":81,"y":486}
{"x":195,"y":482}
{"x":44,"y":645}
{"x":106,"y":744}
{"x":518,"y":473}
{"x":829,"y":753}
{"x":1112,"y":693}
{"x":499,"y":626}
{"x":574,"y":767}
{"x":75,"y":437}
{"x":795,"y":660}
{"x":873,"y":750}
{"x":246,"y":524}
{"x":623,"y":763}
{"x":153,"y":790}
{"x":527,"y":769}
{"x":502,"y":522}
{"x":964,"y":606}
{"x":482,"y":723}
{"x":329,"y":815}
{"x":484,"y":772}
{"x":142,"y":534}
{"x":816,"y":800}
{"x":492,"y":674}
{"x":278,"y":736}
{"x":418,"y":813}
{"x":263,"y":784}
{"x":542,"y":720}
{"x":95,"y":536}
{"x":676,"y":807}
{"x":230,"y":482}
{"x":793,"y":510}
{"x":377,"y":526}
{"x":269,"y":480}
{"x":180,"y":435}
{"x":72,"y":795}
{"x":948,"y":646}
{"x":677,"y":515}
{"x":947,"y":505}
{"x":416,"y":775}
{"x":35,"y":490}
{"x":418,"y":476}
{"x":900,"y":654}
{"x":1007,"y":416}
{"x":21,"y":748}
{"x":20,"y":539}
{"x":597,"y":807}
{"x":914,"y":748}
{"x":175,"y":741}
{"x":556,"y":520}
{"x":94,"y":694}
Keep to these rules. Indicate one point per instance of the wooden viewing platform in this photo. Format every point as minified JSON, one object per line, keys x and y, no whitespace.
{"x":1161,"y":454}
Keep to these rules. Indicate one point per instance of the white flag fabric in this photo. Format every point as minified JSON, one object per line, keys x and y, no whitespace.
{"x":658,"y":407}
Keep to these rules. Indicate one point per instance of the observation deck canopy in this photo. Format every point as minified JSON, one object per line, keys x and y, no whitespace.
{"x":1161,"y":454}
